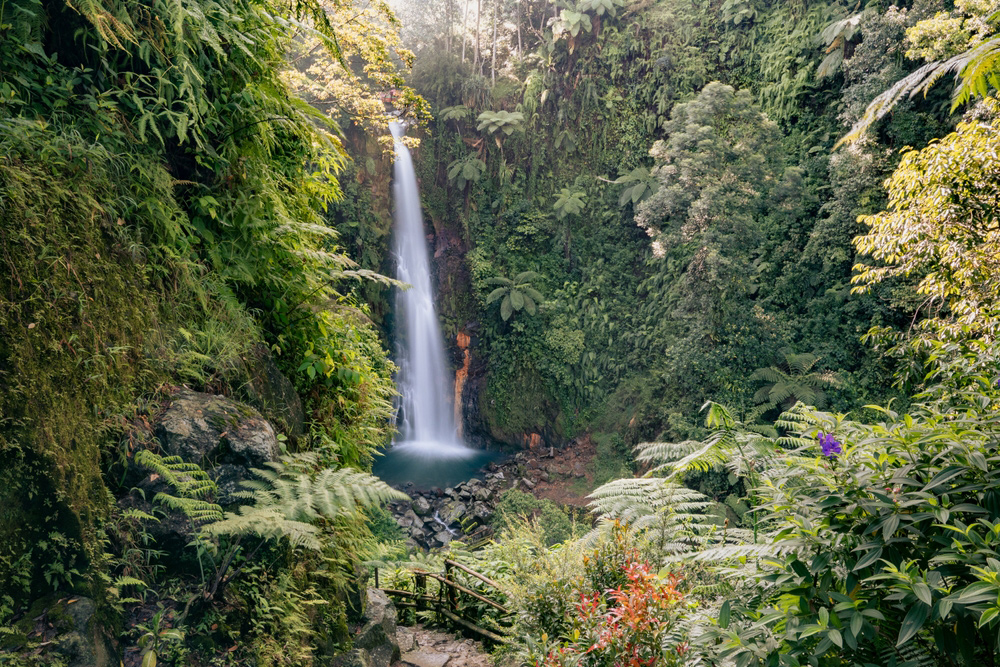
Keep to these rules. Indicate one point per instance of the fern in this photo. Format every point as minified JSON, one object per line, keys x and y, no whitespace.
{"x":977,"y":72}
{"x":289,"y":500}
{"x":190,"y":482}
{"x":736,"y":446}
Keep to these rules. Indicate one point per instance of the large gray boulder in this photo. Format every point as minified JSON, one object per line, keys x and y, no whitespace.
{"x":421,"y":506}
{"x":213,"y":430}
{"x":378,"y":634}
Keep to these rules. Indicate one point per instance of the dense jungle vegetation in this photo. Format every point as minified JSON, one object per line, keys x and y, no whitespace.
{"x":748,"y":248}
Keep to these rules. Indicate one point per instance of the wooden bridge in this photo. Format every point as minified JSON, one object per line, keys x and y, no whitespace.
{"x":453,"y":600}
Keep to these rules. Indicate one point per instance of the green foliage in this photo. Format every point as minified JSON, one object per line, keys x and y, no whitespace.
{"x":976,"y":68}
{"x":466,"y":170}
{"x":641,"y":186}
{"x":793,"y":382}
{"x":515,"y":295}
{"x":612,"y":459}
{"x":293,"y":497}
{"x":517,"y":506}
{"x":191,"y":484}
{"x":929,"y":469}
{"x":500,"y":121}
{"x":941,"y":226}
{"x":569,"y":202}
{"x":154,"y":637}
{"x":573,"y":22}
{"x":162,"y":212}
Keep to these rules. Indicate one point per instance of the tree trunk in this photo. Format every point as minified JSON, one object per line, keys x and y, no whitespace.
{"x":465,"y":27}
{"x":517,"y":21}
{"x":479,"y":11}
{"x":493,"y":65}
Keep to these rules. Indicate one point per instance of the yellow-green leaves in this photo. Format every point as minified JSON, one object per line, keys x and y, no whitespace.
{"x":942,"y":226}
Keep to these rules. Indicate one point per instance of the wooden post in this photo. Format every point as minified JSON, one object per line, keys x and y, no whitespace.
{"x":452,"y":594}
{"x":420,"y":587}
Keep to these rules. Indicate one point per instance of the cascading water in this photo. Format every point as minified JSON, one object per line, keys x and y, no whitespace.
{"x":428,"y":451}
{"x":427,"y":420}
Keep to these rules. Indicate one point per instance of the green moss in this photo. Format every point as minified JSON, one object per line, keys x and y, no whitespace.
{"x":74,"y":310}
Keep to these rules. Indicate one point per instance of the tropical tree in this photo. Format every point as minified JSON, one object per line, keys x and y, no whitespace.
{"x":943,"y":225}
{"x":720,"y":173}
{"x":515,"y":295}
{"x":466,"y":170}
{"x":569,"y":202}
{"x":793,"y":381}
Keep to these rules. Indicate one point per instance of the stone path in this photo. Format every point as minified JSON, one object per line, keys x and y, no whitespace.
{"x":422,"y":647}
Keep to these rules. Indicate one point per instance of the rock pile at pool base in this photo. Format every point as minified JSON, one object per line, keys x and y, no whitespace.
{"x":435,"y":517}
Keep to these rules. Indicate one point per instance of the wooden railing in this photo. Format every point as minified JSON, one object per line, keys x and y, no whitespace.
{"x":448,"y":603}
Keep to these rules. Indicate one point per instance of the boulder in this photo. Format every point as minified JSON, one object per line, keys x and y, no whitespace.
{"x":425,"y":658}
{"x":378,"y":634}
{"x":210,"y":430}
{"x":354,"y":658}
{"x":405,"y":639}
{"x":421,"y":506}
{"x":453,"y":511}
{"x":444,"y":537}
{"x":481,"y":512}
{"x":65,"y":627}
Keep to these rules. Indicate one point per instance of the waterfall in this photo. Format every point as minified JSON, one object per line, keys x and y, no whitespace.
{"x":426,"y":421}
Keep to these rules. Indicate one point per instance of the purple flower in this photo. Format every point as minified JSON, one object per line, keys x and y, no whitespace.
{"x":829,"y":444}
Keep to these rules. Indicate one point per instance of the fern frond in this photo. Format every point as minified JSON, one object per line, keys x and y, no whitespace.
{"x":749,"y":551}
{"x":664,"y":452}
{"x":976,"y":71}
{"x":289,"y":498}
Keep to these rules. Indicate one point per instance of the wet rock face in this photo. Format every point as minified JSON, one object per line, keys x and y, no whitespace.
{"x":273,"y":393}
{"x":378,"y":635}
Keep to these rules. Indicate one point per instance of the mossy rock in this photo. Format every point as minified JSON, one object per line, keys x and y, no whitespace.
{"x":213,"y":430}
{"x":59,"y":631}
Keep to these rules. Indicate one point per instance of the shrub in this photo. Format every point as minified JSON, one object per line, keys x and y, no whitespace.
{"x":515,"y":504}
{"x":637,"y":623}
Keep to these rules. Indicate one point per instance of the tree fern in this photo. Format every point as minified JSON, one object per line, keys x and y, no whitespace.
{"x":977,"y":72}
{"x":793,"y":381}
{"x":733,"y":445}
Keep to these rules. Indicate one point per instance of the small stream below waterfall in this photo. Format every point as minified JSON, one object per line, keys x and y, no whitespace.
{"x":429,"y":451}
